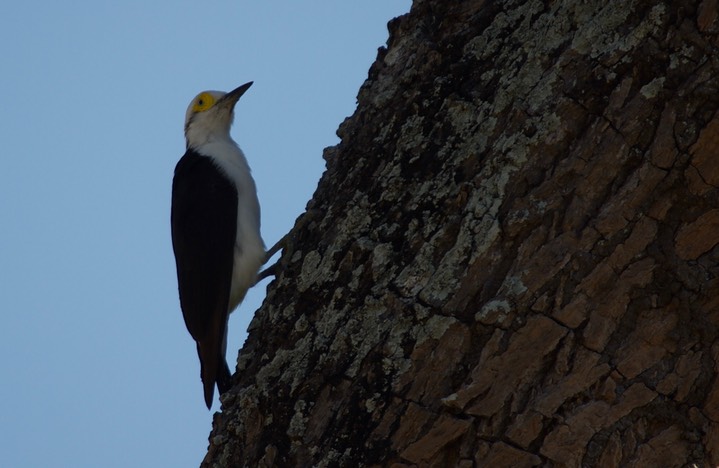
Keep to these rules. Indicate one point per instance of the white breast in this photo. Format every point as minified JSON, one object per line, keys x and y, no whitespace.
{"x":249,"y":247}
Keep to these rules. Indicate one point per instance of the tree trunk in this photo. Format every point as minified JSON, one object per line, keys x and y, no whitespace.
{"x":511,"y":259}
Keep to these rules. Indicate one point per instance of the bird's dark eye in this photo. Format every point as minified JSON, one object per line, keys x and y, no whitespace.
{"x":200,"y":102}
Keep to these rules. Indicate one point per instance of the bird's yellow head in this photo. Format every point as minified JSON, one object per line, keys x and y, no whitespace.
{"x":210,"y":115}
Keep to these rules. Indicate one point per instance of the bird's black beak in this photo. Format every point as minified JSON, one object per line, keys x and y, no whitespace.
{"x":233,"y":96}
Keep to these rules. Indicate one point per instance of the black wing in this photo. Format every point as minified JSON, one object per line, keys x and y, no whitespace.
{"x":203,"y":219}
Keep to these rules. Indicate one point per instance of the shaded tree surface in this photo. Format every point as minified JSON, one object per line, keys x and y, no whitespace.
{"x":511,"y":259}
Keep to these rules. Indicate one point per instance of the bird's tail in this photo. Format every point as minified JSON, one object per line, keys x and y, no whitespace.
{"x":213,"y":370}
{"x":224,"y":377}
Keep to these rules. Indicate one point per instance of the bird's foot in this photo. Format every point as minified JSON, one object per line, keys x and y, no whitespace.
{"x":269,"y":271}
{"x":272,"y":269}
{"x":285,"y":243}
{"x":279,"y":245}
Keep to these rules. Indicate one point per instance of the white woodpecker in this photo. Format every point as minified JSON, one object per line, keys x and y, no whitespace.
{"x":215,"y":230}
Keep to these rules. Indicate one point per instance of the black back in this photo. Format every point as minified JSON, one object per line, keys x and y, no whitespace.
{"x":204,"y":227}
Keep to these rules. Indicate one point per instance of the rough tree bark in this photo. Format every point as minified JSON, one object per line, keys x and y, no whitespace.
{"x":511,"y":259}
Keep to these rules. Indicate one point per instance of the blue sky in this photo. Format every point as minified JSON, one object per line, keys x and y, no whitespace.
{"x":97,"y":366}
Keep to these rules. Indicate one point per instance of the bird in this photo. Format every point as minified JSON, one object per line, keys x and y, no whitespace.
{"x":215,"y":224}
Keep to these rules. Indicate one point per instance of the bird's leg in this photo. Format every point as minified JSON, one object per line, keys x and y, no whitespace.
{"x":269,"y":271}
{"x":272,"y":269}
{"x":279,"y":245}
{"x":286,"y":242}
